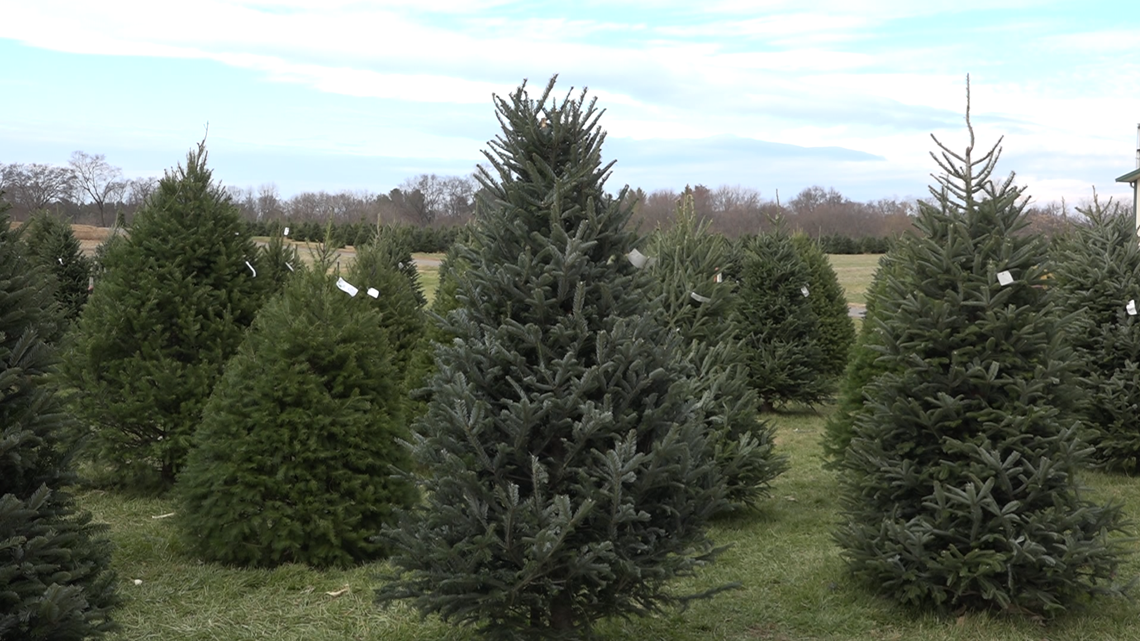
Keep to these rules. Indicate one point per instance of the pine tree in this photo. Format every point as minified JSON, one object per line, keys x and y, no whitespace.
{"x":568,"y":474}
{"x":694,"y":281}
{"x":959,"y":488}
{"x":294,"y":460}
{"x":780,"y":329}
{"x":864,"y":365}
{"x":51,"y":242}
{"x":54,"y":578}
{"x":1096,"y":274}
{"x":171,"y":308}
{"x":835,"y":330}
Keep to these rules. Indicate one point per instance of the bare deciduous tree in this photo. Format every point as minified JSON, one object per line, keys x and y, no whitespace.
{"x":35,"y":186}
{"x":97,"y":180}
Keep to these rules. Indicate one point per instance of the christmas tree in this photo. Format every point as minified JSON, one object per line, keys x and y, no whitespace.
{"x":54,"y":578}
{"x":1096,"y":275}
{"x":779,"y":326}
{"x":569,"y":477}
{"x":694,"y":280}
{"x":171,"y":308}
{"x":959,"y":485}
{"x":295,"y":457}
{"x":835,"y":329}
{"x":51,"y":243}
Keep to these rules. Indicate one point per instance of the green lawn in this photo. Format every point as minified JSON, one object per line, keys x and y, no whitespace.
{"x":855,"y":272}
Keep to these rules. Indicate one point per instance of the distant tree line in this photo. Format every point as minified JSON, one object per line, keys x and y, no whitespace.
{"x":90,"y":190}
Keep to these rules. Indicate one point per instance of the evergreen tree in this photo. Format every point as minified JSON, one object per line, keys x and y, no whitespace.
{"x":277,"y":260}
{"x":54,"y":578}
{"x":569,"y":478}
{"x":864,"y":365}
{"x":294,"y":460}
{"x":171,"y":308}
{"x":780,"y":329}
{"x":1096,"y":274}
{"x":51,"y":242}
{"x":959,"y":488}
{"x":835,"y":330}
{"x":689,"y":266}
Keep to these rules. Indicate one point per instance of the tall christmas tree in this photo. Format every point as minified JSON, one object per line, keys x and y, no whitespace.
{"x":778,"y":324}
{"x":835,"y":331}
{"x":959,"y":485}
{"x":171,"y":308}
{"x":694,"y":278}
{"x":569,"y":474}
{"x":54,"y":578}
{"x":1096,"y":274}
{"x":295,"y":457}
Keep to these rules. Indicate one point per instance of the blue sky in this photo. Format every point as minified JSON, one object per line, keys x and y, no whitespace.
{"x":337,"y":94}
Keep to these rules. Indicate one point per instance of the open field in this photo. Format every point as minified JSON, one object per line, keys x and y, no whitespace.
{"x":855,"y":272}
{"x":793,"y":581}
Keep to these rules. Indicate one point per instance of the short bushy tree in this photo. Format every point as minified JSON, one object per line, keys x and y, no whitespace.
{"x":52,"y":243}
{"x":959,"y":486}
{"x":170,"y":309}
{"x":300,"y":440}
{"x":55,"y":582}
{"x":779,"y":326}
{"x":694,"y":283}
{"x":835,"y":329}
{"x":569,"y":477}
{"x":1096,"y":274}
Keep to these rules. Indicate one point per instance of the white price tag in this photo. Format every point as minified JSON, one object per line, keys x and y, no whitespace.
{"x":346,"y":287}
{"x":1131,"y":308}
{"x":286,"y":231}
{"x":637,"y":259}
{"x":373,"y":292}
{"x":700,"y":299}
{"x":804,"y":291}
{"x":1005,"y":278}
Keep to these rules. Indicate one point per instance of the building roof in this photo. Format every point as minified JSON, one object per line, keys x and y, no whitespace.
{"x":1129,"y":177}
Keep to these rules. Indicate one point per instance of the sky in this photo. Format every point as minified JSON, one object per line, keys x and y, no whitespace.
{"x":770,"y":95}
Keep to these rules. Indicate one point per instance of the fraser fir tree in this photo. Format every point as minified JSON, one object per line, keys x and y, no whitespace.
{"x":568,"y":471}
{"x":51,"y":243}
{"x":171,"y":308}
{"x":54,"y":578}
{"x":694,"y":278}
{"x":780,"y":329}
{"x":835,"y":329}
{"x":864,"y":364}
{"x":299,"y":441}
{"x":959,"y":487}
{"x":1096,"y":274}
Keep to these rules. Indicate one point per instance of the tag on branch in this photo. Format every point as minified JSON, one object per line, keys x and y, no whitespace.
{"x":251,"y":269}
{"x":1005,"y":278}
{"x":804,"y":291}
{"x":1131,"y":307}
{"x":290,"y":267}
{"x":286,"y":231}
{"x":346,"y":287}
{"x":637,"y":259}
{"x":700,"y":299}
{"x":373,"y":292}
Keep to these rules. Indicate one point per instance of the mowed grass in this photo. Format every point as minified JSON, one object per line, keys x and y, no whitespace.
{"x":855,"y":272}
{"x":792,"y":580}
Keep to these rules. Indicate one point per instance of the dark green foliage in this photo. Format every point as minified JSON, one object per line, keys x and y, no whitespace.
{"x":277,"y":260}
{"x":778,"y":324}
{"x":687,"y":260}
{"x":54,"y":578}
{"x":569,"y":478}
{"x":386,"y":265}
{"x":170,"y":309}
{"x":959,"y":488}
{"x":1096,"y":273}
{"x":863,"y":366}
{"x":51,"y":242}
{"x":295,"y":457}
{"x":836,"y":330}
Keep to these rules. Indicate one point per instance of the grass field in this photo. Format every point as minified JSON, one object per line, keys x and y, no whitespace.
{"x":793,"y":584}
{"x":855,"y":272}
